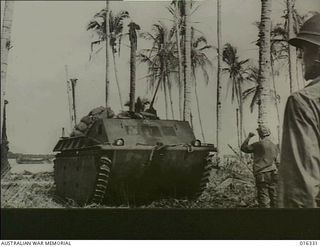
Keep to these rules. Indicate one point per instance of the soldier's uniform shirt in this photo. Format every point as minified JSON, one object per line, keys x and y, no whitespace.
{"x":300,"y":152}
{"x":265,"y":154}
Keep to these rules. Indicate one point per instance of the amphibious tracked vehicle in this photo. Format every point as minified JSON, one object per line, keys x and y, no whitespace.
{"x":117,"y":159}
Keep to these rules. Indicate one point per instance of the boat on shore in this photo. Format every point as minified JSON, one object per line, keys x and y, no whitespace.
{"x":32,"y":160}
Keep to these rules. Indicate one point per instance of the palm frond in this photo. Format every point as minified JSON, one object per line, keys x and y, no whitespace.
{"x":171,"y":10}
{"x":206,"y":47}
{"x":91,"y":48}
{"x":243,"y":62}
{"x":198,"y":40}
{"x":238,"y":70}
{"x":98,"y":25}
{"x":93,"y":24}
{"x":248,"y":92}
{"x":100,"y":14}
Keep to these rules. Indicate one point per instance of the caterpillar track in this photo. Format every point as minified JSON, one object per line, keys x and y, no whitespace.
{"x":204,"y":179}
{"x":102,"y":180}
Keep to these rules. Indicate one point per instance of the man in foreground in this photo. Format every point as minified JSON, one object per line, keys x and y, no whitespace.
{"x":300,"y":152}
{"x":265,"y":154}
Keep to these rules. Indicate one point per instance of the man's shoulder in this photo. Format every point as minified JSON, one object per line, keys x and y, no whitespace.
{"x":305,"y":102}
{"x":310,"y":92}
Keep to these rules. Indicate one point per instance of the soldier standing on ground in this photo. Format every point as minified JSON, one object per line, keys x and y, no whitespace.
{"x":300,"y":152}
{"x":265,"y":154}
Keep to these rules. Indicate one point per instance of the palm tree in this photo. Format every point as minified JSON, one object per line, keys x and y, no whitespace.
{"x":133,"y":27}
{"x":254,"y":91}
{"x":264,"y":61}
{"x":107,"y":33}
{"x":279,"y":47}
{"x":116,"y":32}
{"x":177,"y":13}
{"x":219,"y":76}
{"x":237,"y":73}
{"x":5,"y":47}
{"x":199,"y":60}
{"x":116,"y":22}
{"x":187,"y":61}
{"x":161,"y":61}
{"x":182,"y":23}
{"x":278,"y":52}
{"x":5,"y":44}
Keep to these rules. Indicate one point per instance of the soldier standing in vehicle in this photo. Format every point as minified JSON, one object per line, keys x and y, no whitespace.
{"x":300,"y":152}
{"x":265,"y":154}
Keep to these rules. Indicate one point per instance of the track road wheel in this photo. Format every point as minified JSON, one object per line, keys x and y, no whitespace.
{"x":102,"y":180}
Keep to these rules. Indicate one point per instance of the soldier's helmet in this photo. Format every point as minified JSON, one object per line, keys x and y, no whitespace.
{"x":309,"y":33}
{"x":263,"y":131}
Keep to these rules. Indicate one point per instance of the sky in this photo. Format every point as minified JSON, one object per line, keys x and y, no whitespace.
{"x":47,"y":35}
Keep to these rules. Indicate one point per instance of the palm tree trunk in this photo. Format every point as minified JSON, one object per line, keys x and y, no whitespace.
{"x":133,"y":51}
{"x":117,"y":79}
{"x":191,"y":120}
{"x":170,"y":96}
{"x":4,"y":125}
{"x":198,"y":109}
{"x":165,"y":95}
{"x":70,"y":101}
{"x":107,"y":32}
{"x":187,"y":62}
{"x":240,"y":113}
{"x":73,"y":83}
{"x":5,"y":45}
{"x":219,"y":76}
{"x":238,"y":132}
{"x":5,"y":165}
{"x":155,"y":92}
{"x":157,"y":88}
{"x":275,"y":100}
{"x":181,"y":100}
{"x":292,"y":53}
{"x":264,"y":62}
{"x":180,"y":67}
{"x":240,"y":117}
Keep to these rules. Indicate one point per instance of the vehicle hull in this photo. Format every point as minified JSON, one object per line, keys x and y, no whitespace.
{"x":136,"y":175}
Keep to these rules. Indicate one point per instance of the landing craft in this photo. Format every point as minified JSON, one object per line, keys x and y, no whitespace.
{"x":32,"y":160}
{"x":130,"y":159}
